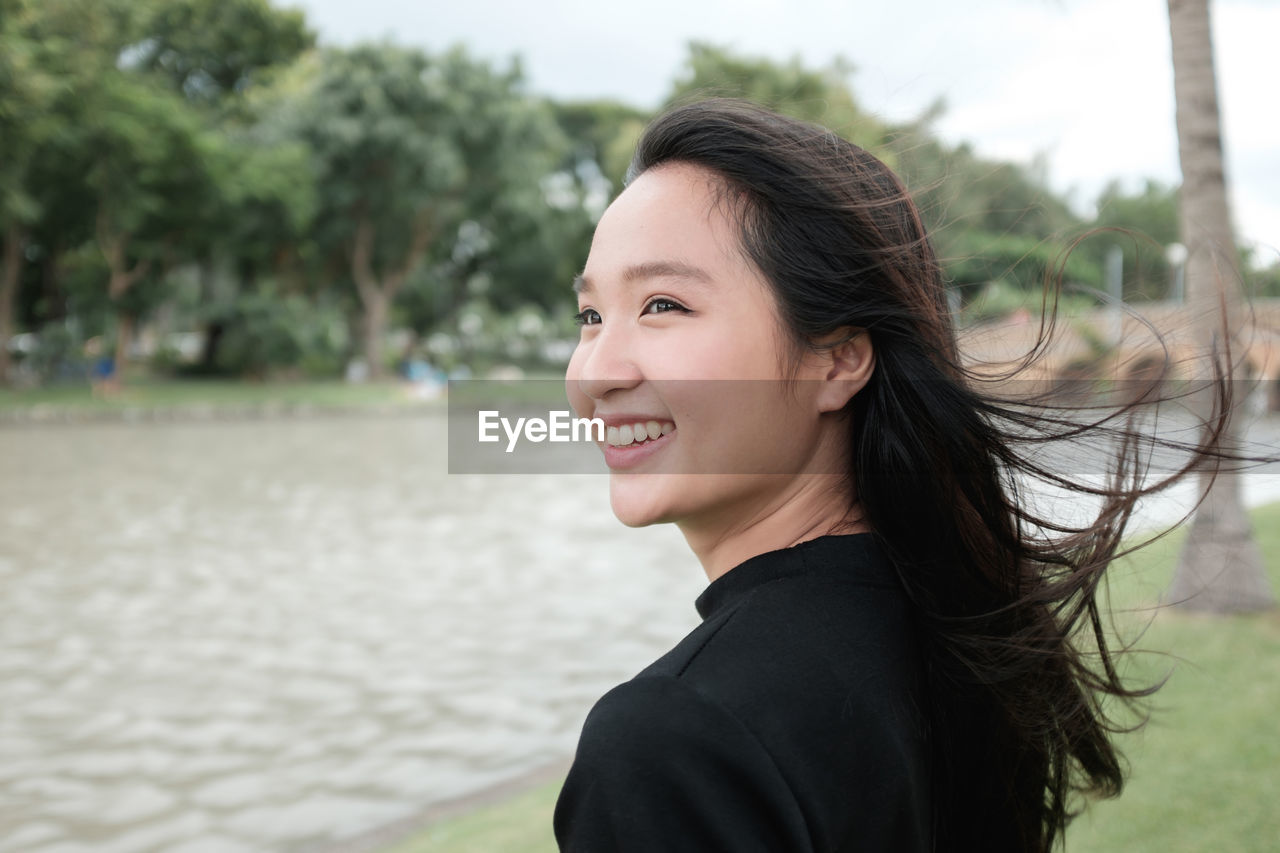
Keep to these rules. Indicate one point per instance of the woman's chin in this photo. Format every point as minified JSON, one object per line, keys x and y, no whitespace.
{"x":638,"y":500}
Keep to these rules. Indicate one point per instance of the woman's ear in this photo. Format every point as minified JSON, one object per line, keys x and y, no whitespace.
{"x":848,"y":360}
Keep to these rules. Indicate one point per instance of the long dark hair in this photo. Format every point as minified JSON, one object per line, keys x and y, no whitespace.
{"x":1018,"y":662}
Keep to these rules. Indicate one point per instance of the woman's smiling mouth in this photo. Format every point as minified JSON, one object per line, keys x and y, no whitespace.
{"x":632,"y":439}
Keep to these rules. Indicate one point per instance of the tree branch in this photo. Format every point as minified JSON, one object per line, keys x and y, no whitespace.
{"x":423,"y":232}
{"x":107,"y":242}
{"x":362,"y":261}
{"x":115,"y":250}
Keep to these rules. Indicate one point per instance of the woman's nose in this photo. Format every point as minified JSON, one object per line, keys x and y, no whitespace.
{"x":604,"y":364}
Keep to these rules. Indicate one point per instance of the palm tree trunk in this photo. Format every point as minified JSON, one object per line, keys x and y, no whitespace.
{"x":1220,"y":569}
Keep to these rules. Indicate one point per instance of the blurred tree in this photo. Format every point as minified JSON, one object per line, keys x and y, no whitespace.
{"x":975,"y":258}
{"x":132,"y":157}
{"x":214,"y":53}
{"x":416,"y":158}
{"x":210,"y":49}
{"x":604,"y":135}
{"x":70,"y":45}
{"x":258,"y":223}
{"x":25,"y":95}
{"x":153,"y":175}
{"x":1143,"y":224}
{"x":823,"y":96}
{"x":1263,"y":281}
{"x":1220,"y":569}
{"x":989,"y":220}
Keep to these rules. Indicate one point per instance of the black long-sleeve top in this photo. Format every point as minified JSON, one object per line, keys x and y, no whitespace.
{"x":790,"y":720}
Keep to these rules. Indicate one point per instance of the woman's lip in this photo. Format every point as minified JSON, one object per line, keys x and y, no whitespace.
{"x":626,"y":420}
{"x":634,"y":454}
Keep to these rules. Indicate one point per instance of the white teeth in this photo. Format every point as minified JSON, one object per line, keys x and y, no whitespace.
{"x":637,"y":433}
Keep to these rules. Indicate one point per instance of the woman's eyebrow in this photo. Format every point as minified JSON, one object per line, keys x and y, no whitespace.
{"x":650,"y":269}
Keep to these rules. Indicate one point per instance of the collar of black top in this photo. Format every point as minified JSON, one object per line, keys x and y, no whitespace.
{"x":823,"y":553}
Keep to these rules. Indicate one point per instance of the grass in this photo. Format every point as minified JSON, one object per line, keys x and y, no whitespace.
{"x":1205,"y":772}
{"x":521,"y":824}
{"x":164,"y":394}
{"x":192,"y":393}
{"x":1206,"y":769}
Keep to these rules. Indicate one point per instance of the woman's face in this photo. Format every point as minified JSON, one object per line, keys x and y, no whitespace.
{"x":671,"y":310}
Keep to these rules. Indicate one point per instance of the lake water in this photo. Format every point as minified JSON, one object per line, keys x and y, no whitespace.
{"x":276,"y":635}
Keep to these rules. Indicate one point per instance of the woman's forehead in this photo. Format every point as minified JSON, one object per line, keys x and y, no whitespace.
{"x":670,"y":216}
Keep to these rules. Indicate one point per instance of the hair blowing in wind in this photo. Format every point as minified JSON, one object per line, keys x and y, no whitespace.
{"x":1006,"y":601}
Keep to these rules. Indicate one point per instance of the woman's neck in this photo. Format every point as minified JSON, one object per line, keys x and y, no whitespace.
{"x":813,"y":505}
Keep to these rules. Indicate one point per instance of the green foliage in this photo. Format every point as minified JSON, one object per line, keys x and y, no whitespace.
{"x":157,"y":135}
{"x":823,"y":96}
{"x":129,"y":159}
{"x":265,"y":332}
{"x":212,"y":53}
{"x":57,"y":355}
{"x":25,"y":94}
{"x":1260,"y":281}
{"x":436,"y":160}
{"x":1153,"y":210}
{"x":1142,"y":224}
{"x":990,"y":221}
{"x":1034,"y":266}
{"x":208,"y":49}
{"x":208,"y":395}
{"x":376,"y":123}
{"x":266,"y":199}
{"x":603,"y":135}
{"x":1001,"y":297}
{"x":149,"y":161}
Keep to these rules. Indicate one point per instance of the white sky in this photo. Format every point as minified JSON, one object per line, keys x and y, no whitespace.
{"x":1087,"y":83}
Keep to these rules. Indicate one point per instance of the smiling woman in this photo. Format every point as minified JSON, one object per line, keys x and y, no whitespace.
{"x":889,"y":654}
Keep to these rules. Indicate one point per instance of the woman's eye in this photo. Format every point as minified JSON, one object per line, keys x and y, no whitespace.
{"x":587,"y":317}
{"x":661,"y":306}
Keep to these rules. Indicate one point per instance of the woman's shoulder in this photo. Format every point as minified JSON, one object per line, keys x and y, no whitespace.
{"x":661,"y":766}
{"x":790,"y":769}
{"x":816,"y":664}
{"x":807,"y":689}
{"x":846,"y":641}
{"x":653,"y":715}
